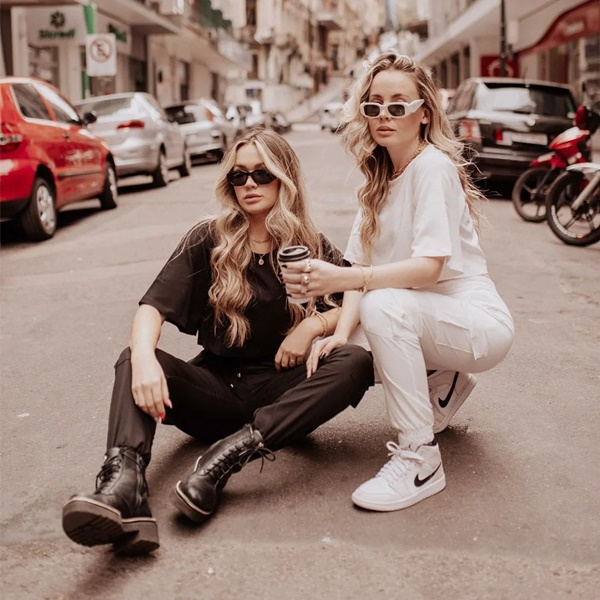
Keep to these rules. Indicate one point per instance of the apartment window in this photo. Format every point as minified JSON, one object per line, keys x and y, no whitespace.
{"x":254,"y":72}
{"x":251,"y":12}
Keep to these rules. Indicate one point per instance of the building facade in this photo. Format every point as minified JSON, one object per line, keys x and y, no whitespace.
{"x":556,"y":40}
{"x":296,"y":46}
{"x":169,"y":48}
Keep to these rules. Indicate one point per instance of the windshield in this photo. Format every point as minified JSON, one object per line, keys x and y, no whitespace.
{"x":539,"y":100}
{"x":191,"y":113}
{"x":118,"y":107}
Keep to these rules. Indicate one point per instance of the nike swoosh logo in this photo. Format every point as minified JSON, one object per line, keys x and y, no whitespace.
{"x":444,"y":402}
{"x":420,"y":482}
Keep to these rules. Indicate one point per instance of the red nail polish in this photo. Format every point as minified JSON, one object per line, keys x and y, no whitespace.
{"x":163,"y":416}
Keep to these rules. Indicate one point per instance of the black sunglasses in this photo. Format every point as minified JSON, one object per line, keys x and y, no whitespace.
{"x":260,"y":177}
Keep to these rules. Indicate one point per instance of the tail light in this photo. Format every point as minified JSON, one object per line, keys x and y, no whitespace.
{"x":468,"y":129}
{"x":134,"y":124}
{"x":208,"y":114}
{"x":10,"y":138}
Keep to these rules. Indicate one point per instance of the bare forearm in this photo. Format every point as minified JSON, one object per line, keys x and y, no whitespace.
{"x":145,"y":331}
{"x":322,"y":324}
{"x":349,"y":316}
{"x":410,"y":273}
{"x":414,"y":272}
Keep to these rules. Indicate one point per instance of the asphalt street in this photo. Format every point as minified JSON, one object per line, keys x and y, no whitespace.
{"x":519,"y":518}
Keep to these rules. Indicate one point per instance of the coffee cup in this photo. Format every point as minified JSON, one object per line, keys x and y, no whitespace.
{"x":292,"y":254}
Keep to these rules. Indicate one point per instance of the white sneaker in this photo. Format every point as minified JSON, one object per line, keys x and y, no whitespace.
{"x":411,"y":475}
{"x":447,"y":391}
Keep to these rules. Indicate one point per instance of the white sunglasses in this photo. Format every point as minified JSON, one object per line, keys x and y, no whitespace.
{"x":396,"y":110}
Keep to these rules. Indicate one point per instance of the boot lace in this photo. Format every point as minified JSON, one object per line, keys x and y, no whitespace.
{"x":237,"y":457}
{"x":109,"y":468}
{"x":401,"y":462}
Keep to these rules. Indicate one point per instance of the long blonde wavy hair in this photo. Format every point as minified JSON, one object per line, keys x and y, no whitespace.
{"x":374,"y":160}
{"x":288,"y":223}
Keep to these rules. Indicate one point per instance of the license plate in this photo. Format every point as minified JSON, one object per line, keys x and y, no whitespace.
{"x":539,"y":139}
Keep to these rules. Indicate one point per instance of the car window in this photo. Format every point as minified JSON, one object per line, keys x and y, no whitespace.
{"x":191,"y":113}
{"x":117,"y":107}
{"x":63,"y":111}
{"x":153,"y":107}
{"x":462,"y":99}
{"x":539,"y":100}
{"x":30,"y":102}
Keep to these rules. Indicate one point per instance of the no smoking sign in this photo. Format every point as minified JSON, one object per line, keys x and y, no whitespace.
{"x":101,"y":54}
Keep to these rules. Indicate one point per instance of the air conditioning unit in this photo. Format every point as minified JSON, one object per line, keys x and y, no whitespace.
{"x":171,"y":7}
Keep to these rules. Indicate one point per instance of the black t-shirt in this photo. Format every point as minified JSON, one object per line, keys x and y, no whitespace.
{"x":180,"y":293}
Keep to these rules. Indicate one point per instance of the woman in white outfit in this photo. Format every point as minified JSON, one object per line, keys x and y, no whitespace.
{"x":419,"y":284}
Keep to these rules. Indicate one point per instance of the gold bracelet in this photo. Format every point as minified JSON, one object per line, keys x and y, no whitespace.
{"x":366,"y":279}
{"x":324,"y":323}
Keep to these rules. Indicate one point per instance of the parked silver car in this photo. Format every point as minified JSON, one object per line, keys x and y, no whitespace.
{"x":228,"y":126}
{"x":139,"y":134}
{"x":203,"y":136}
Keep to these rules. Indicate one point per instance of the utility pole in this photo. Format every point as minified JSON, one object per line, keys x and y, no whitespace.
{"x":502,"y":39}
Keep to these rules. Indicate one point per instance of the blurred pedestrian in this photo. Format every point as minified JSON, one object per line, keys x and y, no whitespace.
{"x":419,"y":284}
{"x":247,"y":391}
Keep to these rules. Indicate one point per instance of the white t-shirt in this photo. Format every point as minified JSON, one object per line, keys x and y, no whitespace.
{"x":426,"y":215}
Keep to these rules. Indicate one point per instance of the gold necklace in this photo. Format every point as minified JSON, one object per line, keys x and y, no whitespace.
{"x":261,"y":258}
{"x":401,"y":170}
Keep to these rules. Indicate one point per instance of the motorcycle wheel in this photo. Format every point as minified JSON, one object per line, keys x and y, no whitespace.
{"x":528,"y":198}
{"x":579,"y":227}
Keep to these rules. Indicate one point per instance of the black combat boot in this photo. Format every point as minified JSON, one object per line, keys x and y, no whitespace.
{"x":198,"y":496}
{"x":117,"y":512}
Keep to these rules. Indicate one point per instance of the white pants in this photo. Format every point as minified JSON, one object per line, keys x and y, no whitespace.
{"x":460,"y":325}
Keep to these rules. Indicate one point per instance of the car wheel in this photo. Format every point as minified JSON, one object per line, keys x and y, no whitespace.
{"x":218,"y":154}
{"x":39,"y":218}
{"x":185,"y":168}
{"x":110,"y":192}
{"x":160,"y":177}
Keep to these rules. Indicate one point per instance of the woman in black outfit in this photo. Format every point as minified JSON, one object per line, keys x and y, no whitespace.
{"x":248,"y":388}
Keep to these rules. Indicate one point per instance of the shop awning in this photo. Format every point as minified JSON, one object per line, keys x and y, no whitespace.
{"x":141,"y":19}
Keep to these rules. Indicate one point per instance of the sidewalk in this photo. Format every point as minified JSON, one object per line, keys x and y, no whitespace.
{"x":332,"y":92}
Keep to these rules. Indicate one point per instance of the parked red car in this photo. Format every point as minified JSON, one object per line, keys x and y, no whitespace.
{"x":48,"y":158}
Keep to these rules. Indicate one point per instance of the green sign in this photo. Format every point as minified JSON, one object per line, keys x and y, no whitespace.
{"x":120,"y":35}
{"x":57,"y":20}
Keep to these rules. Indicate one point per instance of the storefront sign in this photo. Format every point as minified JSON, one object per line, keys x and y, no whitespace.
{"x":490,"y":66}
{"x":55,"y":25}
{"x":101,"y":54}
{"x":121,"y":31}
{"x":581,"y":21}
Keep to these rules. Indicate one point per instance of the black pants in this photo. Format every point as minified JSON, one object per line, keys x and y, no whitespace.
{"x":213,"y":397}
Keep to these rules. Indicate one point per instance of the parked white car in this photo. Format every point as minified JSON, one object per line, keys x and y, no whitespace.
{"x":330,"y":116}
{"x":203,"y":136}
{"x":252,"y":114}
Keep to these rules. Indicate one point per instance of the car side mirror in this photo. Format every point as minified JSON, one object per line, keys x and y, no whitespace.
{"x":89,"y":117}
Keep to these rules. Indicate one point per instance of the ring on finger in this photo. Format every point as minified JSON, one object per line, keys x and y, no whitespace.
{"x":305,"y":279}
{"x":308,"y":266}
